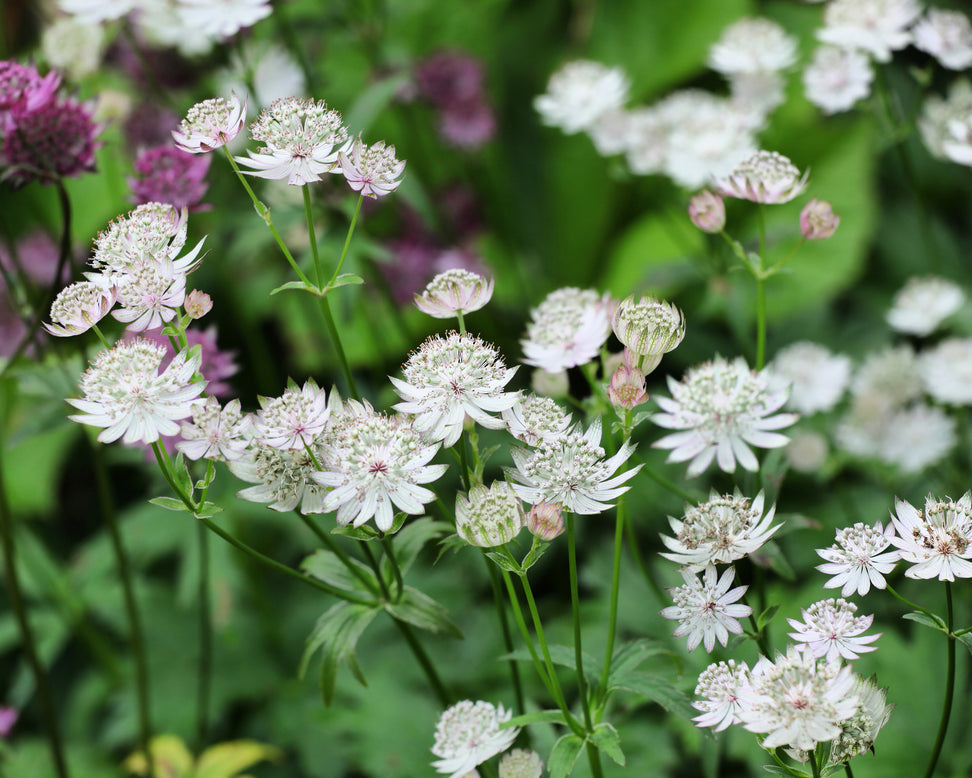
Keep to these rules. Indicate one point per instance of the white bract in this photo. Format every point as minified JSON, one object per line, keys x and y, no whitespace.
{"x":567,"y":329}
{"x":468,"y":733}
{"x":707,"y":610}
{"x":858,"y":559}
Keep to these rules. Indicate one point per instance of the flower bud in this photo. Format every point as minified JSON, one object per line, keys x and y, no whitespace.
{"x":550,"y":384}
{"x":707,"y":211}
{"x":627,"y":388}
{"x":648,"y":326}
{"x":490,"y":516}
{"x":545,"y":520}
{"x":197,"y":304}
{"x":818,"y":220}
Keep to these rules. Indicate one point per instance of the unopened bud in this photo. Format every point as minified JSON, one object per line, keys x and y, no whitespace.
{"x":545,"y":520}
{"x":818,"y":220}
{"x":197,"y":304}
{"x":627,"y":388}
{"x":550,"y":384}
{"x":707,"y":211}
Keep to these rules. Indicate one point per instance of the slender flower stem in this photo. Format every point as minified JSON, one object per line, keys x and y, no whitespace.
{"x":575,"y":609}
{"x":760,"y":637}
{"x":45,"y":700}
{"x":464,"y":462}
{"x":389,"y":549}
{"x":761,"y":294}
{"x":847,"y":770}
{"x":462,"y":322}
{"x":312,"y":234}
{"x":339,"y":552}
{"x":347,"y":241}
{"x":373,"y":561}
{"x":426,"y":664}
{"x":615,"y":583}
{"x":949,"y":685}
{"x":336,"y":342}
{"x":505,"y":630}
{"x":204,"y":682}
{"x":909,"y":603}
{"x":813,"y":764}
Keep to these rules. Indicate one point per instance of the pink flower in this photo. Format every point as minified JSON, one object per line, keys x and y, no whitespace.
{"x":372,"y":170}
{"x":169,"y":175}
{"x":818,"y":220}
{"x":210,"y":124}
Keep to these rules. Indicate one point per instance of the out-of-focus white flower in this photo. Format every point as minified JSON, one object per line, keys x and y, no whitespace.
{"x":215,"y":433}
{"x":611,"y":131}
{"x":521,"y":763}
{"x":936,"y":541}
{"x":127,"y":395}
{"x":917,"y":437}
{"x":939,"y":116}
{"x":837,"y":78}
{"x":764,"y":177}
{"x":707,"y":610}
{"x":210,"y":124}
{"x":73,"y":47}
{"x":372,"y":170}
{"x":719,"y":685}
{"x":720,"y":530}
{"x":533,"y":418}
{"x":489,"y":517}
{"x":757,"y":95}
{"x":567,"y":329}
{"x":222,"y":18}
{"x":807,"y":451}
{"x":947,"y":36}
{"x":831,"y":630}
{"x":550,"y":383}
{"x":293,"y":420}
{"x":275,"y":73}
{"x":721,"y":409}
{"x":468,"y":734}
{"x":924,"y":303}
{"x":876,"y":27}
{"x":888,"y":378}
{"x":753,"y":45}
{"x":454,"y":291}
{"x":282,"y":477}
{"x":858,"y":559}
{"x":580,"y":93}
{"x":571,"y":470}
{"x":946,"y":370}
{"x":97,"y":11}
{"x":860,"y":730}
{"x":78,"y":307}
{"x":817,"y":377}
{"x":451,"y":377}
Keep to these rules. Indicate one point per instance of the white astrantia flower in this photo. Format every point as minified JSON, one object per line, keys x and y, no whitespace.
{"x":468,"y":733}
{"x":940,"y":116}
{"x":859,"y":731}
{"x":149,"y":293}
{"x":648,"y":326}
{"x":817,"y":377}
{"x":571,"y":470}
{"x":454,"y":291}
{"x":222,"y":18}
{"x":210,"y":124}
{"x":831,"y":630}
{"x":534,"y":418}
{"x":752,"y":45}
{"x":580,"y":93}
{"x":876,"y":27}
{"x":78,"y":307}
{"x":807,"y":451}
{"x":567,"y":329}
{"x":947,"y":36}
{"x":757,"y":94}
{"x":917,"y":437}
{"x":372,"y":170}
{"x":764,"y":177}
{"x":125,"y":392}
{"x":836,"y":78}
{"x":275,"y":73}
{"x":720,"y":530}
{"x":719,"y":686}
{"x":97,"y":11}
{"x":946,"y":370}
{"x":858,"y":559}
{"x":923,"y":303}
{"x":73,"y":47}
{"x":282,"y":477}
{"x":450,"y":377}
{"x":888,"y":378}
{"x":293,"y":420}
{"x":936,"y":541}
{"x":611,"y":131}
{"x":302,"y":140}
{"x":489,"y":517}
{"x":216,"y":433}
{"x":798,"y":700}
{"x":521,"y":763}
{"x":707,"y":610}
{"x":722,"y":408}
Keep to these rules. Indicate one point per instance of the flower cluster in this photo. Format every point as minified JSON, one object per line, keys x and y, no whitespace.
{"x":468,"y":733}
{"x":567,"y":329}
{"x":452,"y":82}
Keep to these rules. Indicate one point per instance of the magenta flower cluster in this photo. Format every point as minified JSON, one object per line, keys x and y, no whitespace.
{"x":453,"y":83}
{"x":166,"y":174}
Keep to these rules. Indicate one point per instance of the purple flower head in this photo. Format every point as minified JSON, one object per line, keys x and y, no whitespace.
{"x":166,"y":174}
{"x":36,"y":255}
{"x":450,"y":78}
{"x":23,"y":89}
{"x":467,"y":125}
{"x":8,"y":717}
{"x":149,"y":124}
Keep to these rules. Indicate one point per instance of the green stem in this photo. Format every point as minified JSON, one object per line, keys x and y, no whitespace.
{"x":507,"y":636}
{"x":464,"y":462}
{"x":813,"y":764}
{"x":339,"y":552}
{"x":205,"y":640}
{"x":462,"y":322}
{"x":347,"y":241}
{"x":761,"y":294}
{"x":386,"y":544}
{"x":336,"y":342}
{"x":423,"y":660}
{"x":760,"y":637}
{"x":619,"y":523}
{"x":525,"y":633}
{"x":373,"y":562}
{"x":575,"y":610}
{"x":909,"y":603}
{"x":949,"y":685}
{"x":312,"y":233}
{"x":45,"y":700}
{"x":642,"y":565}
{"x":594,"y":759}
{"x":847,"y":770}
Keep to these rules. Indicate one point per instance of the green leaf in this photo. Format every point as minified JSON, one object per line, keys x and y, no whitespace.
{"x":180,"y":471}
{"x":927,"y":619}
{"x":298,"y":285}
{"x":788,"y":771}
{"x":564,"y":755}
{"x":336,"y":634}
{"x":537,"y":717}
{"x":533,"y":556}
{"x":228,"y":760}
{"x":504,"y":562}
{"x":771,"y":555}
{"x":364,"y":532}
{"x":766,"y":616}
{"x":419,"y":609}
{"x":410,"y":541}
{"x":207,"y":510}
{"x":170,"y":504}
{"x":659,"y":690}
{"x":606,"y":738}
{"x":627,"y":658}
{"x":344,"y":280}
{"x":373,"y":100}
{"x":966,"y":640}
{"x":206,"y":480}
{"x":328,"y":567}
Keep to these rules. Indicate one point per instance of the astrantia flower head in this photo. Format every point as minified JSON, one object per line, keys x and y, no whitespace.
{"x":468,"y":734}
{"x":571,"y":470}
{"x":937,"y":541}
{"x":451,"y":377}
{"x":649,"y":326}
{"x":215,"y":433}
{"x":293,"y":420}
{"x":837,"y":78}
{"x":375,"y":464}
{"x":817,"y":377}
{"x":580,"y":93}
{"x":567,"y":329}
{"x":521,"y":763}
{"x":946,"y":370}
{"x":125,"y":392}
{"x":917,"y":437}
{"x":876,"y":27}
{"x":719,"y":685}
{"x":754,"y":45}
{"x":858,"y":559}
{"x":282,"y":477}
{"x":923,"y":303}
{"x":947,"y":36}
{"x":23,"y":89}
{"x":96,"y":11}
{"x":222,"y":18}
{"x":765,"y":177}
{"x":169,"y":175}
{"x":534,"y":418}
{"x":149,"y":293}
{"x":454,"y":291}
{"x":860,"y":730}
{"x":818,"y":220}
{"x":302,"y":138}
{"x":489,"y":517}
{"x":831,"y":630}
{"x":79,"y":307}
{"x":720,"y":530}
{"x":945,"y":123}
{"x":210,"y":124}
{"x":707,"y":610}
{"x":722,"y":408}
{"x":798,"y":700}
{"x":372,"y":170}
{"x":545,"y":520}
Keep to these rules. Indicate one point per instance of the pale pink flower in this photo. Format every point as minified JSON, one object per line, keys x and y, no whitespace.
{"x":947,"y":36}
{"x":545,"y":520}
{"x":836,"y":78}
{"x":567,"y":329}
{"x":210,"y":124}
{"x":707,"y":211}
{"x":719,"y":685}
{"x":79,"y":307}
{"x":831,"y":630}
{"x":454,"y":291}
{"x":858,"y":559}
{"x":818,"y":220}
{"x":627,"y":388}
{"x":765,"y":177}
{"x":293,"y":420}
{"x":150,"y":293}
{"x":707,"y":610}
{"x":215,"y":433}
{"x":372,"y":170}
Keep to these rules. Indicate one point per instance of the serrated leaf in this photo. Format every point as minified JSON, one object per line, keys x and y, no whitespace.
{"x":299,"y":286}
{"x":766,"y":616}
{"x":928,"y":620}
{"x":659,"y":690}
{"x":336,"y":634}
{"x":504,"y":562}
{"x":170,"y":504}
{"x":553,"y":716}
{"x":410,"y":541}
{"x":606,"y":738}
{"x":564,"y":755}
{"x":422,"y":611}
{"x":180,"y":472}
{"x":327,"y":566}
{"x":627,"y":658}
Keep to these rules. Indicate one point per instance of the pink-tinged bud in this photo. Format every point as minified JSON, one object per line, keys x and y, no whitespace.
{"x":627,"y":388}
{"x":545,"y":520}
{"x":818,"y":220}
{"x":707,"y":211}
{"x":8,"y":717}
{"x":197,"y":304}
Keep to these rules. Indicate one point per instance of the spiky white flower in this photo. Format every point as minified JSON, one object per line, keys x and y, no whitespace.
{"x":149,"y":293}
{"x":454,"y":291}
{"x":210,"y":124}
{"x":817,"y":377}
{"x":580,"y":93}
{"x":489,"y":517}
{"x":282,"y":477}
{"x":936,"y":541}
{"x":534,"y":418}
{"x":752,"y":45}
{"x":721,"y":409}
{"x":917,"y":436}
{"x":468,"y":733}
{"x":946,"y":370}
{"x":923,"y":303}
{"x":707,"y":610}
{"x":944,"y":122}
{"x":371,"y":170}
{"x":719,"y":685}
{"x":450,"y":377}
{"x":293,"y":420}
{"x":860,"y":730}
{"x":764,"y":177}
{"x":858,"y":559}
{"x":215,"y":433}
{"x":831,"y":630}
{"x":947,"y":36}
{"x":567,"y":329}
{"x":571,"y":470}
{"x":222,"y":18}
{"x":78,"y":307}
{"x":125,"y":392}
{"x":876,"y":27}
{"x":836,"y":78}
